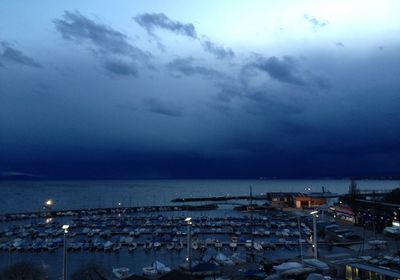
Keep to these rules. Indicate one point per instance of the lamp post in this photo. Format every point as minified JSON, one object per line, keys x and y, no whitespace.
{"x":300,"y":245}
{"x":49,"y":203}
{"x":189,"y":242}
{"x":47,"y":206}
{"x":65,"y":228}
{"x":314,"y":214}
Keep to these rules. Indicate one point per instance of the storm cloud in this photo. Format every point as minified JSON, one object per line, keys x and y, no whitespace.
{"x":106,"y":41}
{"x":159,"y":107}
{"x":121,"y":68}
{"x":150,"y":22}
{"x":219,"y":51}
{"x":281,"y":69}
{"x":161,"y":21}
{"x":11,"y":55}
{"x":188,"y":67}
{"x":234,"y":98}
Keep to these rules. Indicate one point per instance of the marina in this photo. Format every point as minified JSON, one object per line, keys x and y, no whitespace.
{"x":229,"y":239}
{"x":118,"y":233}
{"x":128,"y":226}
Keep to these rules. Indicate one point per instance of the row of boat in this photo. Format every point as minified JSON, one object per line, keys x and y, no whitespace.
{"x":125,"y":213}
{"x":111,"y":233}
{"x":48,"y":213}
{"x":107,"y":228}
{"x":137,"y":232}
{"x":51,"y":244}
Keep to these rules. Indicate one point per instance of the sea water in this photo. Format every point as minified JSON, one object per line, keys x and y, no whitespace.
{"x":25,"y":196}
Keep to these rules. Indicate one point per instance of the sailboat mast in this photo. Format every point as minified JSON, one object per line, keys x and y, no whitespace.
{"x":252,"y":223}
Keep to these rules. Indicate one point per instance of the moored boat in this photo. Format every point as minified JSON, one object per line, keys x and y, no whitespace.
{"x":122,"y":272}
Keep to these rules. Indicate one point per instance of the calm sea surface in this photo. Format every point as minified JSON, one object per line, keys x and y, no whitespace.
{"x":21,"y":196}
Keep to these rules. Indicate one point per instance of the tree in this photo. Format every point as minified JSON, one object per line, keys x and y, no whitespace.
{"x":393,"y":196}
{"x":353,"y":191}
{"x":24,"y":271}
{"x":353,"y":188}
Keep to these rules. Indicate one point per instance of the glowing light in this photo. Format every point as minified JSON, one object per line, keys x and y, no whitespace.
{"x":65,"y":228}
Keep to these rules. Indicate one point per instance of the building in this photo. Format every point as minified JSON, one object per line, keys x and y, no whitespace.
{"x":296,"y":199}
{"x":375,"y":214}
{"x":343,"y":212}
{"x":307,"y":201}
{"x":281,"y":199}
{"x":362,"y":271}
{"x":371,"y":208}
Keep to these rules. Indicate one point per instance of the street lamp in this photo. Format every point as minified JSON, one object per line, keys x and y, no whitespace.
{"x":300,"y":245}
{"x":48,"y":204}
{"x":65,"y":228}
{"x":188,"y":220}
{"x":314,"y":214}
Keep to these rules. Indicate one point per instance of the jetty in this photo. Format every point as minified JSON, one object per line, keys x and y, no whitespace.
{"x":220,"y":198}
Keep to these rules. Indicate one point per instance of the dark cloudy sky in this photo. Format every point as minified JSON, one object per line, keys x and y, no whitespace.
{"x":199,"y":89}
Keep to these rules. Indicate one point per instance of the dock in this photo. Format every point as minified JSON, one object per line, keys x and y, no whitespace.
{"x":220,"y":198}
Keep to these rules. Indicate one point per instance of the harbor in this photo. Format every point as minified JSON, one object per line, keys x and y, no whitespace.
{"x":238,"y":240}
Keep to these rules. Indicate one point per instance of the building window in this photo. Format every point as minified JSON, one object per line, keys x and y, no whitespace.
{"x":349,"y":273}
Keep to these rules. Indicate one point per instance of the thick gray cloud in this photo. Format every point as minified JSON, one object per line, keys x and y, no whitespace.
{"x":74,"y":26}
{"x":121,"y":68}
{"x":321,"y":82}
{"x":105,"y":40}
{"x":161,"y":21}
{"x":320,"y":110}
{"x":229,"y":91}
{"x":260,"y":96}
{"x":315,"y":23}
{"x":283,"y":70}
{"x":219,"y":51}
{"x":160,"y":107}
{"x":9,"y":54}
{"x":188,"y":67}
{"x":260,"y":100}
